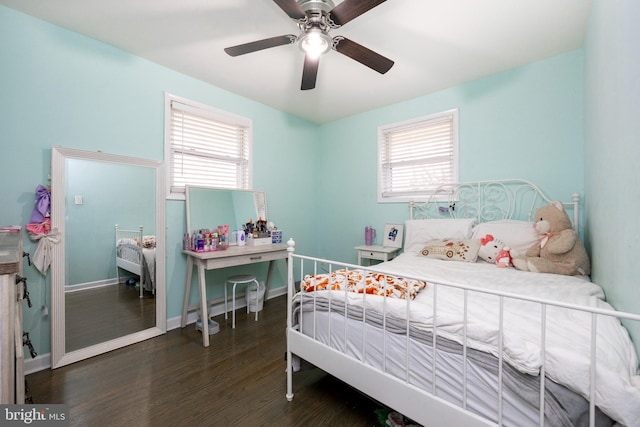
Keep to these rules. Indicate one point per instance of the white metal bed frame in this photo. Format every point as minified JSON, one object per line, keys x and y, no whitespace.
{"x":136,"y":268}
{"x":489,"y":201}
{"x":480,"y":200}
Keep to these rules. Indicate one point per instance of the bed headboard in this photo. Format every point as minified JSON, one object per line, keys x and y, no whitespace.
{"x":489,"y":201}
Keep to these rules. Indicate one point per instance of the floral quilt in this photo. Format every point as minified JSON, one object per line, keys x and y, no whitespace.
{"x":360,"y":281}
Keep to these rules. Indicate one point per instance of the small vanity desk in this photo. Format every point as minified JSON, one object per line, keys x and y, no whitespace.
{"x":208,"y":207}
{"x":234,"y":255}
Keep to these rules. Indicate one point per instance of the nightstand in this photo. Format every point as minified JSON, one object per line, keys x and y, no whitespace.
{"x":380,"y":253}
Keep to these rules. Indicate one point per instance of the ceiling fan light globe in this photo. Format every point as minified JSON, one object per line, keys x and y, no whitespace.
{"x":314,"y":43}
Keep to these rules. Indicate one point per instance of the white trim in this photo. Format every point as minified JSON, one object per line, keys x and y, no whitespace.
{"x":91,"y":285}
{"x":421,"y":196}
{"x":214,"y":114}
{"x":59,"y":356}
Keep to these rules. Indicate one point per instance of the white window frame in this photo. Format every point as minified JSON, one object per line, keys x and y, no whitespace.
{"x":421,"y":193}
{"x":215,"y":115}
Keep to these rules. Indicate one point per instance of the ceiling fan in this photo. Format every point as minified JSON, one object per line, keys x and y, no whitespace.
{"x":316,"y":18}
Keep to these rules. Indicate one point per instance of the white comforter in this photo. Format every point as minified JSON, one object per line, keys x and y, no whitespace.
{"x":568,"y":332}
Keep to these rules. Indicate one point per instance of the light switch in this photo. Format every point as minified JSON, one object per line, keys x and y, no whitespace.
{"x":78,"y":200}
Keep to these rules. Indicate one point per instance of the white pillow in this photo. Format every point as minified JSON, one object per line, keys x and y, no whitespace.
{"x":518,"y":235}
{"x":421,"y":231}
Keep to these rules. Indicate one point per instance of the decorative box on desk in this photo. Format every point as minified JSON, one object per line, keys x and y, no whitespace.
{"x":259,"y":241}
{"x":276,"y":236}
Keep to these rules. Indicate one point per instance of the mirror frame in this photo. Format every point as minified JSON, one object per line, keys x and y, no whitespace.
{"x":59,"y":355}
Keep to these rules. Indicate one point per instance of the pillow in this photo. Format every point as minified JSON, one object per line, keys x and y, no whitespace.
{"x":518,"y":235}
{"x":452,"y":249}
{"x":421,"y":231}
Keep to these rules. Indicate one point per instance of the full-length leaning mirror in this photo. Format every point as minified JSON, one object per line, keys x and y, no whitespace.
{"x":209,"y":207}
{"x":108,"y":285}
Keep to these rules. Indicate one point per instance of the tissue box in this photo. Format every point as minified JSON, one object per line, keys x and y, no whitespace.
{"x":276,"y":236}
{"x":260,"y":241}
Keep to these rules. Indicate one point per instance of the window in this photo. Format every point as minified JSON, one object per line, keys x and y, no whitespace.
{"x":205,"y":146}
{"x":416,"y":156}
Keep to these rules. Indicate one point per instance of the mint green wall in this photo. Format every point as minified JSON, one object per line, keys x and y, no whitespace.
{"x":60,"y":88}
{"x":612,"y":151}
{"x":525,"y":123}
{"x":112,"y":194}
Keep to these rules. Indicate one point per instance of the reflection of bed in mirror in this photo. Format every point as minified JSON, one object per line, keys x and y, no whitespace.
{"x":91,"y":312}
{"x":136,"y":253}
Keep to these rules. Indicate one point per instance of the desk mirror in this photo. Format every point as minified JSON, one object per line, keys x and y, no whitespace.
{"x":208,"y":207}
{"x":97,"y":301}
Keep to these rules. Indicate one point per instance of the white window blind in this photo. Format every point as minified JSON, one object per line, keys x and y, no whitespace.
{"x":416,"y":156}
{"x":207,"y":147}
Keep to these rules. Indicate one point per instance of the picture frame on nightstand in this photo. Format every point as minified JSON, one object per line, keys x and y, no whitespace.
{"x":392,"y":236}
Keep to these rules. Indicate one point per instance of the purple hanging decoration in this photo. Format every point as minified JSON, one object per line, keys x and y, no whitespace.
{"x":42,"y":209}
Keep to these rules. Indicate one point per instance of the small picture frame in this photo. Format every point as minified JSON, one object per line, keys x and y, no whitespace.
{"x":392,"y":235}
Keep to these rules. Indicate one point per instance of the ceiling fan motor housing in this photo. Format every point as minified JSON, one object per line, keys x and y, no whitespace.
{"x":316,"y":5}
{"x":314,"y":38}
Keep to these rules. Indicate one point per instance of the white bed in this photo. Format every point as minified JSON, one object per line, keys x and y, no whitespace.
{"x":136,"y":253}
{"x":512,"y":348}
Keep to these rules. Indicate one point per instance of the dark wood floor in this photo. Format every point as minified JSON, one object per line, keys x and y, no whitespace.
{"x":93,"y":316}
{"x":172,"y":380}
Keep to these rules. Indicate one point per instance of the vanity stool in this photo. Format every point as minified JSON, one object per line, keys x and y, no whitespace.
{"x":235,"y":280}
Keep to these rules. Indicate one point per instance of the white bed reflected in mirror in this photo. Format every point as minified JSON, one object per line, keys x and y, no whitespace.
{"x":108,"y":274}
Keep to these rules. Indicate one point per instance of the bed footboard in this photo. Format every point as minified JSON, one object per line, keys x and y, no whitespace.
{"x":424,"y":372}
{"x":129,"y":255}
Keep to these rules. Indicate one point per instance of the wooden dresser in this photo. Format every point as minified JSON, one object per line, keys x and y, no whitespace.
{"x":11,"y":293}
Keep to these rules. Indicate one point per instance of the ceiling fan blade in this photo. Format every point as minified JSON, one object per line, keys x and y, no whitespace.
{"x":351,"y":9}
{"x":361,"y":54}
{"x":291,"y":8}
{"x":309,"y":72}
{"x":241,"y":49}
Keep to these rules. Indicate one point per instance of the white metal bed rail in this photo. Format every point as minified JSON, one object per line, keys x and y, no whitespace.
{"x":309,"y":348}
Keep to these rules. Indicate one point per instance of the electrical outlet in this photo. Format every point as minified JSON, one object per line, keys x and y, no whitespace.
{"x":45,"y":311}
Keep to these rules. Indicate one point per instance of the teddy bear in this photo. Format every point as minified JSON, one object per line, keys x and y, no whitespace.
{"x":560,"y":250}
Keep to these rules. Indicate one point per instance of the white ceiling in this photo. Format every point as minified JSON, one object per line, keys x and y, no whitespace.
{"x":435,"y":44}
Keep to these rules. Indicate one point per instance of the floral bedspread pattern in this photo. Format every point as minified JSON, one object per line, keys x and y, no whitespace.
{"x":360,"y":281}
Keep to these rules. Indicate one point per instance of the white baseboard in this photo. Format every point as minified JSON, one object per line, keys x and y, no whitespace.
{"x":218,"y":308}
{"x":94,"y":285}
{"x":43,"y":361}
{"x":39,"y":363}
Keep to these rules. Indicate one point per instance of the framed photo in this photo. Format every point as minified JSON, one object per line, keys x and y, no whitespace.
{"x":392,"y":235}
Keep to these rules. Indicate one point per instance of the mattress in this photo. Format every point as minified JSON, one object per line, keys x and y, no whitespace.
{"x":520,"y":394}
